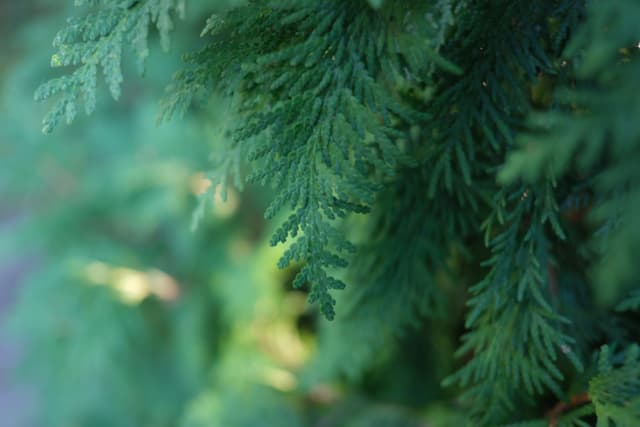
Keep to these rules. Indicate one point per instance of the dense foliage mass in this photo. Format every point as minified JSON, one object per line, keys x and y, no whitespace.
{"x":440,"y":174}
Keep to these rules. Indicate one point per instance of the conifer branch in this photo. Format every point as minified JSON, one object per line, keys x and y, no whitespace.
{"x":95,"y":42}
{"x":320,"y":117}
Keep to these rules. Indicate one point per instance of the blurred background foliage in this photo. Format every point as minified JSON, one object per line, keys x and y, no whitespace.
{"x":124,"y":317}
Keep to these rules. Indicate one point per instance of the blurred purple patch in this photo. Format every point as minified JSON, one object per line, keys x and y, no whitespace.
{"x":16,"y":401}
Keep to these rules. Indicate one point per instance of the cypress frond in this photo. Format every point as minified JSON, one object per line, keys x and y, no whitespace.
{"x":95,"y":42}
{"x":321,"y":118}
{"x":392,"y":275}
{"x":588,"y":122}
{"x":615,"y":391}
{"x":512,"y":308}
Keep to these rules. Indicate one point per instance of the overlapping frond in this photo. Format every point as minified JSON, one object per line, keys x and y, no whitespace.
{"x":322,"y":120}
{"x":594,"y":134}
{"x":393,"y":275}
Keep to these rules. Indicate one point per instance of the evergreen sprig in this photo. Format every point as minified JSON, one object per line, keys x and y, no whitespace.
{"x":593,"y":133}
{"x":615,"y":391}
{"x":321,"y":115}
{"x":512,"y":308}
{"x":500,"y":48}
{"x":93,"y":43}
{"x":392,"y":275}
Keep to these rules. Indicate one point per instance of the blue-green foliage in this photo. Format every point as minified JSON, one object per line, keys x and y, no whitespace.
{"x":391,"y":289}
{"x":615,"y":391}
{"x":94,"y":43}
{"x":321,"y":118}
{"x":511,"y":308}
{"x":594,"y":132}
{"x":424,"y":153}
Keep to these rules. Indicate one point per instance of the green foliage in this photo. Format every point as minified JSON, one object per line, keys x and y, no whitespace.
{"x":615,"y":391}
{"x":374,"y":313}
{"x":593,"y":133}
{"x":105,"y":226}
{"x":510,"y":308}
{"x":465,"y":171}
{"x":340,"y":62}
{"x":95,"y":42}
{"x":631,"y":302}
